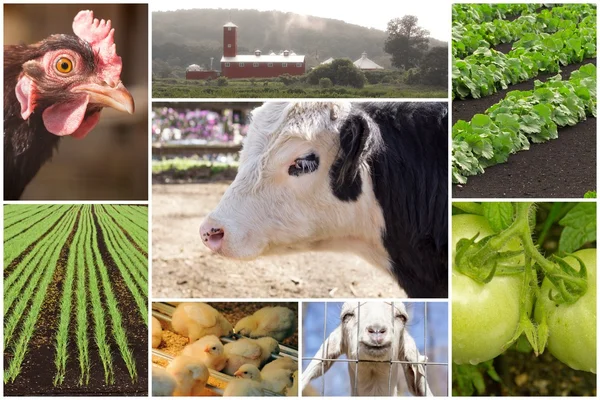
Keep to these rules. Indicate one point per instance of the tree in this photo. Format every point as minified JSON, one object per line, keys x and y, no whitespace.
{"x":434,"y":67}
{"x":341,"y":72}
{"x":406,"y":42}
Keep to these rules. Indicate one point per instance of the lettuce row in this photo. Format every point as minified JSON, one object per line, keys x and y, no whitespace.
{"x":478,"y":13}
{"x":466,"y":38}
{"x":486,"y":71}
{"x":521,"y":118}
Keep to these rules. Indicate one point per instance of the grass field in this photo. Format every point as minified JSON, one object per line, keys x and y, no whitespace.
{"x":181,"y":88}
{"x":71,"y":275}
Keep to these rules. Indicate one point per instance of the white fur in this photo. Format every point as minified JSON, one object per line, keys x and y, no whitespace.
{"x":352,"y":338}
{"x":267,"y":211}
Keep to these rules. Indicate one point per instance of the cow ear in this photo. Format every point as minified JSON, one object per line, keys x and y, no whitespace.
{"x":345,"y":177}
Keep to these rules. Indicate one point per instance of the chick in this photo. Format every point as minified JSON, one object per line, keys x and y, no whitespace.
{"x":209,"y":350}
{"x":276,"y":322}
{"x":156,"y":332}
{"x":275,"y":381}
{"x":285,"y":363}
{"x":249,"y":351}
{"x":293,"y":391}
{"x":243,"y":387}
{"x":163,"y":383}
{"x":196,"y":320}
{"x":190,"y":374}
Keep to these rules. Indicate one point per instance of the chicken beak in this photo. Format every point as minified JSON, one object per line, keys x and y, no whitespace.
{"x":237,"y":373}
{"x":117,"y":97}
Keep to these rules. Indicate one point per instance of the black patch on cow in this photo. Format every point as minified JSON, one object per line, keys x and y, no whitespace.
{"x":346,"y":182}
{"x":408,"y":164}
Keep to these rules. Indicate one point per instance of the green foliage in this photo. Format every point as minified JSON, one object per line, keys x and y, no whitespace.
{"x":469,"y":380}
{"x":81,"y":329}
{"x":580,"y":227}
{"x":325,"y":83}
{"x":590,"y":195}
{"x":406,"y":42}
{"x":341,"y":72}
{"x":478,"y":13}
{"x":222,"y":81}
{"x":520,"y":118}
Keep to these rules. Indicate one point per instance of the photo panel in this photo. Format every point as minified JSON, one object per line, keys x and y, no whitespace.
{"x":524,"y":298}
{"x":225,"y":348}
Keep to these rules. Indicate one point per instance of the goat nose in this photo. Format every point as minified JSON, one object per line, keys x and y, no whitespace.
{"x":377,"y":333}
{"x":212,"y":235}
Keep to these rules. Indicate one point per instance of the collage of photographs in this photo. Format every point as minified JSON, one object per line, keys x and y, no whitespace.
{"x":299,"y":199}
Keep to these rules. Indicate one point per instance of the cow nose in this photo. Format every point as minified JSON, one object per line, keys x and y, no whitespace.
{"x":377,"y":332}
{"x":212,"y":235}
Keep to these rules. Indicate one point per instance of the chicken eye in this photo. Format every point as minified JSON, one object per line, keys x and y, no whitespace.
{"x":64,"y":65}
{"x":304,"y":165}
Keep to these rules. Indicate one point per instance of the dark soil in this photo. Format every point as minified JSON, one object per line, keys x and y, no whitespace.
{"x":523,"y":374}
{"x":546,"y":170}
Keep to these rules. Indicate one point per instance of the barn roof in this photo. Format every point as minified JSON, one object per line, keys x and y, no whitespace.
{"x":364,"y":63}
{"x":328,"y":61}
{"x":252,"y":58}
{"x":230,"y":25}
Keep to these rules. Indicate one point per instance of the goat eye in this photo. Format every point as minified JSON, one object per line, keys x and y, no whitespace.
{"x":402,"y":317}
{"x":347,"y":316}
{"x":304,"y":165}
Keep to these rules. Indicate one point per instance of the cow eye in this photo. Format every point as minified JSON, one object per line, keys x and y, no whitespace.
{"x":304,"y":165}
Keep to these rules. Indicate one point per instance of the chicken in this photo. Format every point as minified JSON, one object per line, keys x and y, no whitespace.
{"x":285,"y":363}
{"x":156,"y":332}
{"x":196,"y":320}
{"x":249,"y":351}
{"x":243,"y":387}
{"x":163,"y":383}
{"x":293,"y":390}
{"x":209,"y":350}
{"x":276,"y":322}
{"x":190,"y":374}
{"x":54,"y":88}
{"x":277,"y":380}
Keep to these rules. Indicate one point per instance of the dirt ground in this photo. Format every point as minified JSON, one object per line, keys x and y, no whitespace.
{"x":183,"y":268}
{"x":560,"y":168}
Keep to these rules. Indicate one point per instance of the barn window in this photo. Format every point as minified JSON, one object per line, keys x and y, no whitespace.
{"x":255,"y":64}
{"x":298,"y":65}
{"x":228,"y":28}
{"x":241,"y":64}
{"x":284,"y":65}
{"x":269,"y":64}
{"x":227,"y":64}
{"x":228,"y":45}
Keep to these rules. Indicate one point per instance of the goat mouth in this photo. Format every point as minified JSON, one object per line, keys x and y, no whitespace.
{"x":376,"y":347}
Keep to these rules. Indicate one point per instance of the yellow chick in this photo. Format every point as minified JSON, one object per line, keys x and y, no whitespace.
{"x":196,"y":320}
{"x":276,"y":322}
{"x":190,"y":374}
{"x":209,"y":350}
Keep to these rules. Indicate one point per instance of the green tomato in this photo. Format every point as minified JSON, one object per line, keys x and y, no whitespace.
{"x":572,"y":327}
{"x":484,"y":316}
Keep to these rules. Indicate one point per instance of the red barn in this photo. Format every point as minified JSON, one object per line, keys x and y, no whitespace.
{"x":258,"y":65}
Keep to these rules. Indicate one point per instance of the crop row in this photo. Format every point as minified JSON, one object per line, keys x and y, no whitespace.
{"x":137,"y":215}
{"x":478,"y":13}
{"x":139,"y":236}
{"x":33,"y":295}
{"x":466,"y":38}
{"x":520,"y":118}
{"x":13,"y":216}
{"x":15,"y":246}
{"x":21,"y":226}
{"x":487,"y":70}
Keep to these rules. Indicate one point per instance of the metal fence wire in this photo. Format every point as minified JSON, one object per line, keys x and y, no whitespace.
{"x":394,"y":365}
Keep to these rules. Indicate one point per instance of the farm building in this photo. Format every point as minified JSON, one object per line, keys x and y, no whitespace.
{"x":256,"y":65}
{"x":194,"y":71}
{"x":365,"y":64}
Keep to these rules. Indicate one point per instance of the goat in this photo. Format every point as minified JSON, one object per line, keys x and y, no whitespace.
{"x":373,"y":333}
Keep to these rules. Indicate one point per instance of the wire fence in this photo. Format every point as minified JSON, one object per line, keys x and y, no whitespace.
{"x":432,"y":349}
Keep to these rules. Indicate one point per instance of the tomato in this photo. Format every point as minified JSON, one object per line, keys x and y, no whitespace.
{"x":572,"y":327}
{"x":484,"y":316}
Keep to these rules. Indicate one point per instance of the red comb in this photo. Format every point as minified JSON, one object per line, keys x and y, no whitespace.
{"x":101,"y":37}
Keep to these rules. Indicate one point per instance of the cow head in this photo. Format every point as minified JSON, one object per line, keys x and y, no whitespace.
{"x":303,"y":184}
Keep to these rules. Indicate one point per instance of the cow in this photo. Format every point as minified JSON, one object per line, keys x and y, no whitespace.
{"x":369,"y":178}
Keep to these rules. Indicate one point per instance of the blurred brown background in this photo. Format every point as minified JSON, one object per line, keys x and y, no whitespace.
{"x":111,"y":163}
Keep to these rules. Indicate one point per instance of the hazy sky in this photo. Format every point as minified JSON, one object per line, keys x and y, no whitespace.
{"x":433,"y":16}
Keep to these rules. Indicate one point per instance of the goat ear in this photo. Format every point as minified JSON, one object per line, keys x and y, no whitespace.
{"x":330,"y":349}
{"x":414,"y":373}
{"x":345,"y":177}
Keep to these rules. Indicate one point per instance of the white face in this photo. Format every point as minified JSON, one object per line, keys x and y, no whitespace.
{"x":282,"y":200}
{"x":374,"y":328}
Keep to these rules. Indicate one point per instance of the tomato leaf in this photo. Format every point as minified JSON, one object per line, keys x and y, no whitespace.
{"x":498,"y":214}
{"x":580,"y":227}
